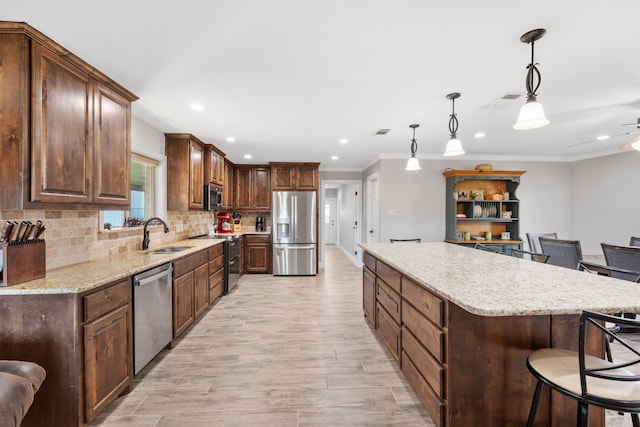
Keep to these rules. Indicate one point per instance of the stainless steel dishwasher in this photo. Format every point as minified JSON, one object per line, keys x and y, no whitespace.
{"x":152,"y":324}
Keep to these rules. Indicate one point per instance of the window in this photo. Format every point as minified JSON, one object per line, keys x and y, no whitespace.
{"x":142,"y":196}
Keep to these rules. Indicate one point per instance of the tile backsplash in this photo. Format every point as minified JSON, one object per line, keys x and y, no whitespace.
{"x":73,"y":236}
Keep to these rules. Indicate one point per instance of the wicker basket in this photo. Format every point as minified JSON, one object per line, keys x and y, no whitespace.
{"x":484,"y":167}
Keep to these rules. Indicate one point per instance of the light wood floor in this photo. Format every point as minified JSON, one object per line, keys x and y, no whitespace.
{"x":278,"y":351}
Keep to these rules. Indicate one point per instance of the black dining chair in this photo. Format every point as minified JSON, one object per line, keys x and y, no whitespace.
{"x":418,"y":240}
{"x":624,"y":257}
{"x":482,"y":247}
{"x":634,"y":241}
{"x":563,"y":253}
{"x":533,"y":256}
{"x":534,"y":240}
{"x":589,"y":379}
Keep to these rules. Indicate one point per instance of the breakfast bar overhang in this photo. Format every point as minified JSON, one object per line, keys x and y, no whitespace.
{"x":461,"y":323}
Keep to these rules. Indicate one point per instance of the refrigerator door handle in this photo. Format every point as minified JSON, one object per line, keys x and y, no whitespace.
{"x":294,"y":217}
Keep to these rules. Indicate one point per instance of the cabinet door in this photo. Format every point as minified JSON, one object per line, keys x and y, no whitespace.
{"x":182,"y":303}
{"x":201,"y":287}
{"x":283,"y":178}
{"x":307,"y":178}
{"x":108,"y":361}
{"x":242,"y":188}
{"x":261,"y":188}
{"x":112,"y":160}
{"x":196,"y":175}
{"x":62,"y":131}
{"x":258,"y":258}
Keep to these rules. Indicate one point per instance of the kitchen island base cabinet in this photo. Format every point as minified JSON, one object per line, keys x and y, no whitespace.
{"x":466,"y":369}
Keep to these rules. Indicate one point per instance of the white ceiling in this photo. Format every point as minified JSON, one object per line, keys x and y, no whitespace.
{"x":289,"y":78}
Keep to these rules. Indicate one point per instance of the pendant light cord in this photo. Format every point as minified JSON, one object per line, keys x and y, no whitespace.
{"x":414,"y":144}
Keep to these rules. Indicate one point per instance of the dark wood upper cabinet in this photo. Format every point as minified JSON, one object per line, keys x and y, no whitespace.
{"x":185,"y":171}
{"x":294,"y":176}
{"x":65,"y":137}
{"x":214,"y":166}
{"x":252,"y":187}
{"x":228,"y":186}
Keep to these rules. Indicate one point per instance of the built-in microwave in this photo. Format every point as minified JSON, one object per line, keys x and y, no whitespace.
{"x":212,"y":197}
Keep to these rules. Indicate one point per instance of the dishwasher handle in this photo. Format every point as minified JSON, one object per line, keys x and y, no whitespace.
{"x":152,"y":278}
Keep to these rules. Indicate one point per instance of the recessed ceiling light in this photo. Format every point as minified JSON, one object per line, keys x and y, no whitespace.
{"x":197,"y":107}
{"x":603,"y":137}
{"x":334,"y":157}
{"x":247,"y":156}
{"x":230,"y":139}
{"x":479,"y":135}
{"x":343,"y":140}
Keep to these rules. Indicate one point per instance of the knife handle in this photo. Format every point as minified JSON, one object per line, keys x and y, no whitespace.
{"x":39,"y":232}
{"x":6,"y":231}
{"x":14,"y":231}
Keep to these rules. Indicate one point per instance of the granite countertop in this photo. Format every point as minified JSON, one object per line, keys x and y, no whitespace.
{"x":89,"y":275}
{"x":489,"y":284}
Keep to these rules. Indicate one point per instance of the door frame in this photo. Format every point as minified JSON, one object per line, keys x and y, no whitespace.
{"x":335,"y":229}
{"x":371,"y":208}
{"x":323,"y":182}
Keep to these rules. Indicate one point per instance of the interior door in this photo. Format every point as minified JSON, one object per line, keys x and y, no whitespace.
{"x":330,"y":219}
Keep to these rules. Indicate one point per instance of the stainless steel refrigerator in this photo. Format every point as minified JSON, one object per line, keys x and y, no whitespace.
{"x":294,"y":233}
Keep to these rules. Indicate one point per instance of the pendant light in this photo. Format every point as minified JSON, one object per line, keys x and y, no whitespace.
{"x":454,"y":146}
{"x":413,"y":164}
{"x":532,"y":114}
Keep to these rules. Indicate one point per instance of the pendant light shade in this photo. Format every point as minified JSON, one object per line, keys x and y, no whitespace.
{"x":412,"y":163}
{"x":454,"y":146}
{"x":532,"y":114}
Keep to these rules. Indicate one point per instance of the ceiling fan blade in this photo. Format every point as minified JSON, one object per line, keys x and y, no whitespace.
{"x":630,"y":143}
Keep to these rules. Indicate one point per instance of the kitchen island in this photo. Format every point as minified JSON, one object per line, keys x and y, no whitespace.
{"x":77,"y":323}
{"x":461,"y":323}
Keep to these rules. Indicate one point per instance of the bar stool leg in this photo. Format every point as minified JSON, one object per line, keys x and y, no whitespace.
{"x":634,"y":420}
{"x":534,"y":404}
{"x":583,"y":414}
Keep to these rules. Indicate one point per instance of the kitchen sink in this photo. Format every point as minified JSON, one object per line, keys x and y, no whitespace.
{"x":170,"y":250}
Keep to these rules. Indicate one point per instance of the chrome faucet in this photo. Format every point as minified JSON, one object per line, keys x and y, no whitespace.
{"x":146,"y":240}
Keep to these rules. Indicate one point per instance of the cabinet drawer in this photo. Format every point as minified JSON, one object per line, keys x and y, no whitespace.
{"x":216,"y":264}
{"x":429,"y":368}
{"x":369,"y":261}
{"x":190,"y":262}
{"x":389,"y":275}
{"x":433,"y":405}
{"x":389,"y":330}
{"x":216,"y":287}
{"x":215,"y":251}
{"x":389,"y":299}
{"x":427,"y":303}
{"x":428,"y":334}
{"x":106,"y":300}
{"x":257,"y":238}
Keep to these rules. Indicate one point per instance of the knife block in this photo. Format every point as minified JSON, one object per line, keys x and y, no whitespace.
{"x":22,"y":261}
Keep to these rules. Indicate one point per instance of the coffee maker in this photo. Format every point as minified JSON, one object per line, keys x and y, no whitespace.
{"x":260,"y":223}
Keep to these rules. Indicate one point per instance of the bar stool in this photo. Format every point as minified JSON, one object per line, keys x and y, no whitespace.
{"x":588,"y":379}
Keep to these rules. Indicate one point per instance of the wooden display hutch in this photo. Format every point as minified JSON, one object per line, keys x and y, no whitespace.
{"x":476,"y":204}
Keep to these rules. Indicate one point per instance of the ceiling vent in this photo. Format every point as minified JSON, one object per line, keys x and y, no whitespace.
{"x":382,"y":131}
{"x":505,"y":99}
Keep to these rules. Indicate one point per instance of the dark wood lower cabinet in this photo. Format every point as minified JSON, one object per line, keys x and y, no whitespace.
{"x":190,"y":289}
{"x":369,"y":295}
{"x":258,"y":253}
{"x":83,"y":341}
{"x":201,"y":289}
{"x":108,"y":345}
{"x":468,"y":370}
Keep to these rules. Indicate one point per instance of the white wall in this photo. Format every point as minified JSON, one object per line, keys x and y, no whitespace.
{"x":149,"y":141}
{"x":418,"y":197}
{"x":605,"y":200}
